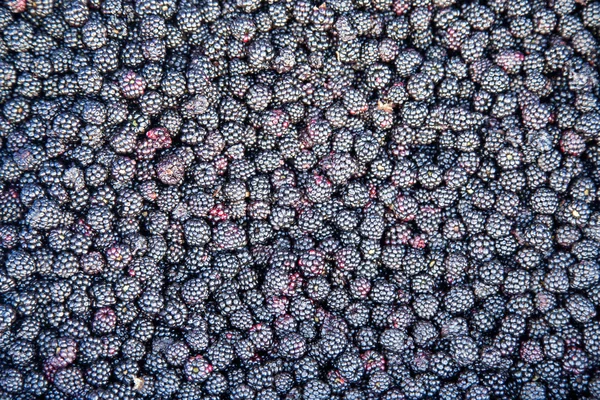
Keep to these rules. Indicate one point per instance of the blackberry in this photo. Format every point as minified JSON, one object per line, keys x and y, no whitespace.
{"x":258,"y":97}
{"x":69,"y":381}
{"x":19,"y":265}
{"x":459,"y":300}
{"x":580,"y":308}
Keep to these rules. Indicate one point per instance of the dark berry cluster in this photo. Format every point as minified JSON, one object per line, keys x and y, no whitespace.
{"x":289,"y":199}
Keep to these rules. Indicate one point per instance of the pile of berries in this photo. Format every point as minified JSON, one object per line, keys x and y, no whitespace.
{"x":286,"y":199}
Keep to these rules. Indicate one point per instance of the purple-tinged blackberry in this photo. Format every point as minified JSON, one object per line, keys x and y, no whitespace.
{"x":197,"y":369}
